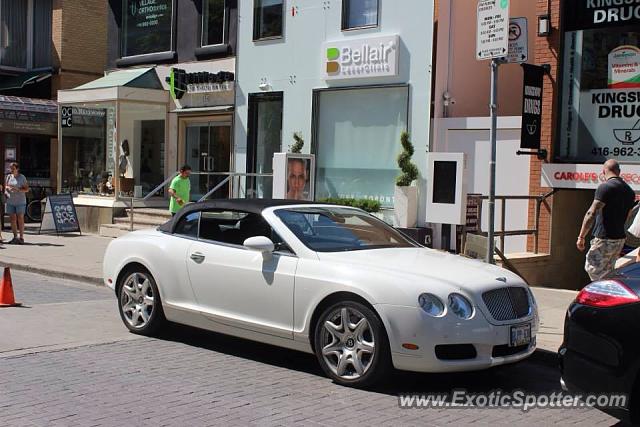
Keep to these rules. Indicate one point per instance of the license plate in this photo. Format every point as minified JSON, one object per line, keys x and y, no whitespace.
{"x":520,"y":335}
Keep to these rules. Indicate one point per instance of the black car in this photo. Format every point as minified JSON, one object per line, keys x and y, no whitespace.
{"x":601,"y":348}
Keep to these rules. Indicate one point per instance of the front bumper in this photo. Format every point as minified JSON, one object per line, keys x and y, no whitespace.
{"x":600,"y":380}
{"x":411,"y":325}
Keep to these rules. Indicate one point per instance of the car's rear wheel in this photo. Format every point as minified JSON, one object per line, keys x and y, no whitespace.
{"x":139,"y":302}
{"x":352,"y":345}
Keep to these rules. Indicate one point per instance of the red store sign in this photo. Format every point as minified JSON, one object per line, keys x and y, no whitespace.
{"x":587,"y":177}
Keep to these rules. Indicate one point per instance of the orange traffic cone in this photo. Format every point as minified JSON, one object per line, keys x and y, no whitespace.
{"x":6,"y":291}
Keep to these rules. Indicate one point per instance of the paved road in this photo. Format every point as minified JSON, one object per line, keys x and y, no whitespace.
{"x":66,"y":360}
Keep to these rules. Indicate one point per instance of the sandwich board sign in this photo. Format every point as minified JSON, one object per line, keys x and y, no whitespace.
{"x":60,"y":215}
{"x":518,"y":41}
{"x":492,"y":38}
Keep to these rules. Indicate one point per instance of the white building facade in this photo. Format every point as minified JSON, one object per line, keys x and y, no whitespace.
{"x":348,"y":76}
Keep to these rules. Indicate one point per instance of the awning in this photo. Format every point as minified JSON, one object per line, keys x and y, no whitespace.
{"x":216,"y":109}
{"x":24,"y":79}
{"x":143,"y":78}
{"x":28,"y":115}
{"x":16,"y":103}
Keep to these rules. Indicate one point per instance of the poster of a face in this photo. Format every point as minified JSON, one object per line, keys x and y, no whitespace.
{"x":299,"y":179}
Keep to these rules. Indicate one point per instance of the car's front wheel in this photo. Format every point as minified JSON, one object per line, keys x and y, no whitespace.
{"x":352,"y":345}
{"x":139,"y":302}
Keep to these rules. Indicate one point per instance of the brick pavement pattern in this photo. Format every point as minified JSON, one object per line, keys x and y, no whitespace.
{"x":189,"y":377}
{"x":164,"y":382}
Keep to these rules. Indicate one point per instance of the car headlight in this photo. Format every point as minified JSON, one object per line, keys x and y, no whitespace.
{"x":460,"y":306}
{"x":431,"y":304}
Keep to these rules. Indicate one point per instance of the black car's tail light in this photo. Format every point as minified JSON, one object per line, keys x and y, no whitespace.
{"x":607,"y":293}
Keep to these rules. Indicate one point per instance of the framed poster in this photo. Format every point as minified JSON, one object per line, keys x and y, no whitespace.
{"x":10,"y":154}
{"x":294,"y":176}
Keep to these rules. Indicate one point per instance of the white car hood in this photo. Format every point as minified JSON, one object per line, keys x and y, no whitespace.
{"x":472,"y":275}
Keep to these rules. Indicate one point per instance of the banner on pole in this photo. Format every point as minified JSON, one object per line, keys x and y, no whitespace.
{"x":532,"y":106}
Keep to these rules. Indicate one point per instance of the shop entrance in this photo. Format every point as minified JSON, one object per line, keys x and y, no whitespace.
{"x":208,"y":152}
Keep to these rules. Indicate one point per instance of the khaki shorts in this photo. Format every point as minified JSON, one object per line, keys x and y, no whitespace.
{"x":602,"y":257}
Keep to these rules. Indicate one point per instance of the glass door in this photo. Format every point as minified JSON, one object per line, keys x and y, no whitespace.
{"x":208,"y":152}
{"x":265,"y":139}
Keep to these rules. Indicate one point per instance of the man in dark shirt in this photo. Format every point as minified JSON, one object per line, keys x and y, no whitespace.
{"x":610,"y":211}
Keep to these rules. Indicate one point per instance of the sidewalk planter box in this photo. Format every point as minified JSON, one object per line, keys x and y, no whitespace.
{"x":406,"y":207}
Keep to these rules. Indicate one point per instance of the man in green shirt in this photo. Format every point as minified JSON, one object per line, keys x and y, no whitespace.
{"x":180,"y":190}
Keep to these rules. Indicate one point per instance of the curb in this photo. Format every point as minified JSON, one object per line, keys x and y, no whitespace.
{"x":97,"y":281}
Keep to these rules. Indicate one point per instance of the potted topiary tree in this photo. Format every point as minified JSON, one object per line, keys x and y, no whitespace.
{"x":406,"y":194}
{"x":298,"y":143}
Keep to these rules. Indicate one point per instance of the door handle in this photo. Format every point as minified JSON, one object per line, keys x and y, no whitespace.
{"x":197,"y":257}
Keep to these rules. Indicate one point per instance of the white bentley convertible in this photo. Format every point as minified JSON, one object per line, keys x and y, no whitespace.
{"x":324,"y":279}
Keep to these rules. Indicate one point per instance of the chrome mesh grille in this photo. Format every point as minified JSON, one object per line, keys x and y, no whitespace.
{"x":507,"y":303}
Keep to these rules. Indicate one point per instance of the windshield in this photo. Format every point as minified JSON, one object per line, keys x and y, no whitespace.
{"x":340,"y":230}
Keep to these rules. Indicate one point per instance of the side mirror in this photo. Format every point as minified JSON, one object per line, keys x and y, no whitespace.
{"x":260,"y":244}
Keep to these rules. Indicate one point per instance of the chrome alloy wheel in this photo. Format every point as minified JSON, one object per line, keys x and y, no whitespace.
{"x":137,"y":300}
{"x":347,"y":343}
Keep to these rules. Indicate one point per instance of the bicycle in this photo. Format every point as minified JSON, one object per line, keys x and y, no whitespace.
{"x":34,"y":207}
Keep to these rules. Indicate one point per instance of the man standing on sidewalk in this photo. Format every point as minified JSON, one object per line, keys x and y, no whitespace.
{"x":180,"y":190}
{"x":610,"y":210}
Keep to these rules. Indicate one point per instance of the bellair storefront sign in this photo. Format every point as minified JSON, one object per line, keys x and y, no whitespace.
{"x":587,"y":14}
{"x":586,"y":177}
{"x":361,"y":58}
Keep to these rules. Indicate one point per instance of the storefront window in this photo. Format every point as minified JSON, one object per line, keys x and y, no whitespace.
{"x":600,"y":105}
{"x":358,"y":141}
{"x":147,"y":27}
{"x":84,"y":150}
{"x":140,"y":158}
{"x":35,"y":156}
{"x":359,"y":13}
{"x":213,"y":22}
{"x":13,"y":33}
{"x":268,"y":17}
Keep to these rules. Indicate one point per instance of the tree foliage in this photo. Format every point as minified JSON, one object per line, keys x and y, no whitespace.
{"x":298,"y":143}
{"x":407,"y":167}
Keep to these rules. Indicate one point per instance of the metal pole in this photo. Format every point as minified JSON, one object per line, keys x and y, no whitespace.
{"x":537,"y":235}
{"x":503,"y":221}
{"x":131,"y":217}
{"x":492,"y":164}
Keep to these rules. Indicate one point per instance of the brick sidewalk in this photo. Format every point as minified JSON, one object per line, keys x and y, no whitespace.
{"x":70,"y":256}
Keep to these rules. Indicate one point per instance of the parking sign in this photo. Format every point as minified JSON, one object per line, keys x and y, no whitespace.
{"x":492,"y":40}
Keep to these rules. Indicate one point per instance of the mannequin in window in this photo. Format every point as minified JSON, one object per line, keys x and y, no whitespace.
{"x":124,"y":164}
{"x":125,"y":170}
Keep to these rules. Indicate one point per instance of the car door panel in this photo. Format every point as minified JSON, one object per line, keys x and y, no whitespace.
{"x":243,"y":288}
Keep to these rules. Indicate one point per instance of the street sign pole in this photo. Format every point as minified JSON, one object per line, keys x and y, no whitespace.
{"x":494,"y":34}
{"x":493,"y":106}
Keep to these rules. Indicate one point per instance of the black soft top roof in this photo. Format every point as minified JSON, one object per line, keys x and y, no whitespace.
{"x":255,"y":206}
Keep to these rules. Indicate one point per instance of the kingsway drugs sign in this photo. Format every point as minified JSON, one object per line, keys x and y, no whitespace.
{"x":587,"y":14}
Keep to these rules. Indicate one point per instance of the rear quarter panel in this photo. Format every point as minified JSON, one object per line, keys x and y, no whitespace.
{"x":162,"y":254}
